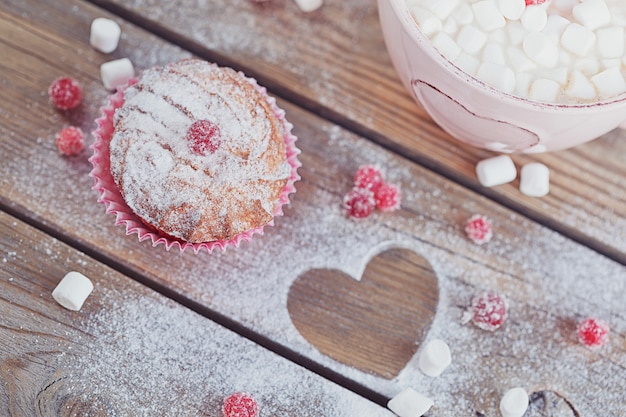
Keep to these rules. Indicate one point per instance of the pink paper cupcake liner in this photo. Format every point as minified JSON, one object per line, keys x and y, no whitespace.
{"x":111,"y":197}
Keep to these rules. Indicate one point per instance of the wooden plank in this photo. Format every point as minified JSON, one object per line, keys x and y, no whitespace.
{"x":550,"y":281}
{"x":334,"y":62}
{"x":130,"y":351}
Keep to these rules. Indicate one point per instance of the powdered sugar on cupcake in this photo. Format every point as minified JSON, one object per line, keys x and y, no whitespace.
{"x":190,"y":195}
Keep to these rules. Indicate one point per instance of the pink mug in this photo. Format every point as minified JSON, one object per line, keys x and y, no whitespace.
{"x":479,"y":114}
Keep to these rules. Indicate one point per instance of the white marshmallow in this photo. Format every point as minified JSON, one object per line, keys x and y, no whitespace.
{"x":496,"y":171}
{"x":471,"y":39}
{"x":516,"y":32}
{"x":555,"y":25}
{"x":409,"y":403}
{"x":309,"y":5}
{"x":538,"y":148}
{"x":498,"y":36}
{"x":463,"y":14}
{"x":544,"y":90}
{"x":441,"y":8}
{"x":514,"y":403}
{"x":608,"y":63}
{"x":522,"y":83}
{"x":558,"y":74}
{"x":446,"y":45}
{"x":592,"y":14}
{"x":578,"y":39}
{"x":534,"y":180}
{"x":449,"y":26}
{"x":426,"y":20}
{"x":105,"y":34}
{"x":618,"y":17}
{"x":512,"y":9}
{"x":499,"y":76}
{"x":487,"y":15}
{"x":565,"y":59}
{"x":541,"y":50}
{"x":434,"y":358}
{"x":588,"y":66}
{"x":492,"y":52}
{"x":72,"y":291}
{"x":534,"y":18}
{"x":580,"y":87}
{"x":565,"y":6}
{"x":497,"y":146}
{"x":609,"y":82}
{"x":116,"y":73}
{"x":611,"y":42}
{"x":519,"y":60}
{"x":467,"y":63}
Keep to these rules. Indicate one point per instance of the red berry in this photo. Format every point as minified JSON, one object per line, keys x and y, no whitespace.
{"x":478,"y":229}
{"x":533,"y":2}
{"x":240,"y":404}
{"x":488,"y":311}
{"x":593,"y":332}
{"x":387,"y":197}
{"x":203,"y":136}
{"x":65,"y":93}
{"x":359,"y":202}
{"x":70,"y":141}
{"x":368,"y":176}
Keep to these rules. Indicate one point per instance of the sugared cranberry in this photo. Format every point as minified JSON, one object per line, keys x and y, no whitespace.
{"x":593,"y":332}
{"x":240,"y":404}
{"x":203,"y":137}
{"x":478,"y":229}
{"x":387,"y":197}
{"x":359,"y":202}
{"x":488,"y":311}
{"x":534,"y":2}
{"x":70,"y":141}
{"x":368,"y":176}
{"x":65,"y":93}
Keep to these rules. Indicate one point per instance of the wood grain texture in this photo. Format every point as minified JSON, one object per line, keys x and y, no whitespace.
{"x":551,"y":281}
{"x":334,"y":62}
{"x":55,"y":362}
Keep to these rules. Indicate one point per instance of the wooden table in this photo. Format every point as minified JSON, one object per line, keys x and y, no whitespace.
{"x":322,"y":315}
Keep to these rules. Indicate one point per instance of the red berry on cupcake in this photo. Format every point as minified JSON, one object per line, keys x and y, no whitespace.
{"x":203,"y":137}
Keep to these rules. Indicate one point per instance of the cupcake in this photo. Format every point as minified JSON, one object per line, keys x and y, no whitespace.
{"x":194,"y":155}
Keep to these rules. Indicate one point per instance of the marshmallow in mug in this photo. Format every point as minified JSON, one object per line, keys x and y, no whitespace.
{"x":561,"y":51}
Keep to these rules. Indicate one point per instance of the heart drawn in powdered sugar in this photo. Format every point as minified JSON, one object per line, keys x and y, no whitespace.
{"x":375,"y":323}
